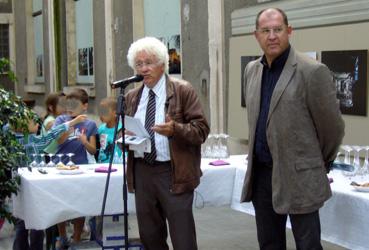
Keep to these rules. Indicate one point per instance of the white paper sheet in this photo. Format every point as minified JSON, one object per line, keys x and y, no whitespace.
{"x":135,"y":126}
{"x":139,"y":142}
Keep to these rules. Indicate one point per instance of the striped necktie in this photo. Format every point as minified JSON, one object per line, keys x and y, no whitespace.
{"x":149,"y":123}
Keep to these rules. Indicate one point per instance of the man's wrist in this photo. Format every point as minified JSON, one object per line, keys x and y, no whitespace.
{"x":172,"y":129}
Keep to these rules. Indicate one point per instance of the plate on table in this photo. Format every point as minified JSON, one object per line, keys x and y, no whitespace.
{"x":360,"y":187}
{"x":70,"y":171}
{"x":64,"y":169}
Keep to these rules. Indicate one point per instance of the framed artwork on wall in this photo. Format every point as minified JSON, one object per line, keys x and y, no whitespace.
{"x":349,"y":70}
{"x":244,"y":61}
{"x":173,"y":44}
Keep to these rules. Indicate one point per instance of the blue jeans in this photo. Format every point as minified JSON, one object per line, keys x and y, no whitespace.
{"x":21,"y":237}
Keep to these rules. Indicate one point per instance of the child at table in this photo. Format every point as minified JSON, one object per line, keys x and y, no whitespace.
{"x":81,"y":140}
{"x":55,"y":106}
{"x":35,"y":144}
{"x":107,"y":112}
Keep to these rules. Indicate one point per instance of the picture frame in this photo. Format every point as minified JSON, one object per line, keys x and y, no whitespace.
{"x":349,"y":70}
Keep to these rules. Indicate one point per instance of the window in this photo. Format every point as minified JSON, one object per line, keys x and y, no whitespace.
{"x":84,"y":41}
{"x":163,"y":21}
{"x":4,"y":40}
{"x":38,"y":41}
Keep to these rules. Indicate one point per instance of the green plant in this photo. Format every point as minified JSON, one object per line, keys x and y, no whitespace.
{"x":13,"y":113}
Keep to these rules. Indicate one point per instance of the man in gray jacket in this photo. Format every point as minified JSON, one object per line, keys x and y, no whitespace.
{"x":295,"y":129}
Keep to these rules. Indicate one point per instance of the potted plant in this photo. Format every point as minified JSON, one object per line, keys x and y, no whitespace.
{"x":13,"y":113}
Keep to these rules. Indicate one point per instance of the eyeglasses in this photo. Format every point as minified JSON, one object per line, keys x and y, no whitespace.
{"x":148,"y":64}
{"x":268,"y":31}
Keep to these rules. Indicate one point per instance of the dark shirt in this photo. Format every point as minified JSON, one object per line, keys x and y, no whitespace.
{"x":269,"y":80}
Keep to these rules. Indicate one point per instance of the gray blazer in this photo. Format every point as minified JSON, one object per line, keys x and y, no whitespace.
{"x":304,"y":131}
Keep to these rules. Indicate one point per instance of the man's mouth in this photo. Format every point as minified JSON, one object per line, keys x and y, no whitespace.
{"x":273,"y":45}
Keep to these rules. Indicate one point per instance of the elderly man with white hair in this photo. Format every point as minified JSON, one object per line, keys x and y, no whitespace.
{"x":164,"y":180}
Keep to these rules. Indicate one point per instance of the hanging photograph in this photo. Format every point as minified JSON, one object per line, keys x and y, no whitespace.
{"x":349,"y":70}
{"x":83,"y":61}
{"x":39,"y":66}
{"x":244,"y":61}
{"x":173,"y":44}
{"x":91,"y":60}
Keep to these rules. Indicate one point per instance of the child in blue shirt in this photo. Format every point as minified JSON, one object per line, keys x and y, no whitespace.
{"x":83,"y":138}
{"x":107,"y":112}
{"x":79,"y":142}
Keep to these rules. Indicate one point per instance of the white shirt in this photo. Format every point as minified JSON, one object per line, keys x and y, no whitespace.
{"x":161,"y":141}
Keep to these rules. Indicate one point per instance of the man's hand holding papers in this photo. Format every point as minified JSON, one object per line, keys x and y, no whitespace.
{"x":136,"y":136}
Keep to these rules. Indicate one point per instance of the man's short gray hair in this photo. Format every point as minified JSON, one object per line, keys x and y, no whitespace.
{"x":152,"y":46}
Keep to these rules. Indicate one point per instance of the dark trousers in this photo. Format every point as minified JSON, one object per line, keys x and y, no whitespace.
{"x":155,"y":205}
{"x":271,"y":227}
{"x":51,"y":235}
{"x":21,"y":237}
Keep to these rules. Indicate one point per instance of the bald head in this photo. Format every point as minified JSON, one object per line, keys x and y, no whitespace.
{"x":269,"y":13}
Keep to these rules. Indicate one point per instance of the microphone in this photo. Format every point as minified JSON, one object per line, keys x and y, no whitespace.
{"x":124,"y":82}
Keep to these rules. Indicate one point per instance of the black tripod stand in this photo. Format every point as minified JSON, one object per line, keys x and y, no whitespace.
{"x":122,"y":84}
{"x":119,"y":114}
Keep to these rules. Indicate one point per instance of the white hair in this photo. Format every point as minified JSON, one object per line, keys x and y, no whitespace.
{"x":152,"y":46}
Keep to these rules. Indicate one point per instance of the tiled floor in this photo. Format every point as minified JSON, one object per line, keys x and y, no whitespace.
{"x":219,"y":228}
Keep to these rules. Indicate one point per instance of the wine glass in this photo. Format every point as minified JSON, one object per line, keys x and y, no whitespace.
{"x":50,"y":164}
{"x":347,"y":160}
{"x":70,"y":162}
{"x":338,"y":155}
{"x":60,"y":158}
{"x":224,"y":145}
{"x":215,"y":152}
{"x":207,"y":147}
{"x":365,"y":166}
{"x":42,"y":163}
{"x":34,"y":163}
{"x":356,"y":162}
{"x":347,"y":149}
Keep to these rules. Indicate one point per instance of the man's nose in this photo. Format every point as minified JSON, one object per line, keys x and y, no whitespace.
{"x":272,"y":34}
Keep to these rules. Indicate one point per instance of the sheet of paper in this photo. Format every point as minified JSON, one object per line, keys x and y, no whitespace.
{"x":135,"y":126}
{"x":140,"y":142}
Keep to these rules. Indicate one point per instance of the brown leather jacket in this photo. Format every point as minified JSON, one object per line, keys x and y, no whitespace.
{"x":190,"y":131}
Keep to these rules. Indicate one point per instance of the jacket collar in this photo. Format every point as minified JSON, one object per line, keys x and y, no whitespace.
{"x":170,"y":89}
{"x":283,"y":81}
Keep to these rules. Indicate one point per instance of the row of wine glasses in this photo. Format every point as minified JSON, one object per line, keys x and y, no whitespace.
{"x":38,"y":160}
{"x":215,"y":146}
{"x":361,"y":167}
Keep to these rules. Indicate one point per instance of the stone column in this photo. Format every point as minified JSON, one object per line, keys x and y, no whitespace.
{"x":216,"y":62}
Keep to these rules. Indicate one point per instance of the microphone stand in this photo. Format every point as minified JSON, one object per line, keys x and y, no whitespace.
{"x":119,"y":114}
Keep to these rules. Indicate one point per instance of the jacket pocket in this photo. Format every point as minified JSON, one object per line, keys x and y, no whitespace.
{"x":311,"y":163}
{"x":310,"y":183}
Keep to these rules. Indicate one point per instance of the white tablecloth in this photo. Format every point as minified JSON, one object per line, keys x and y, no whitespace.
{"x":216,"y":184}
{"x":344,"y":218}
{"x":45,"y":200}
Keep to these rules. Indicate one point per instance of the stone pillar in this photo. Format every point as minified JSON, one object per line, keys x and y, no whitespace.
{"x":195,"y":49}
{"x":216,"y":62}
{"x":71,"y":42}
